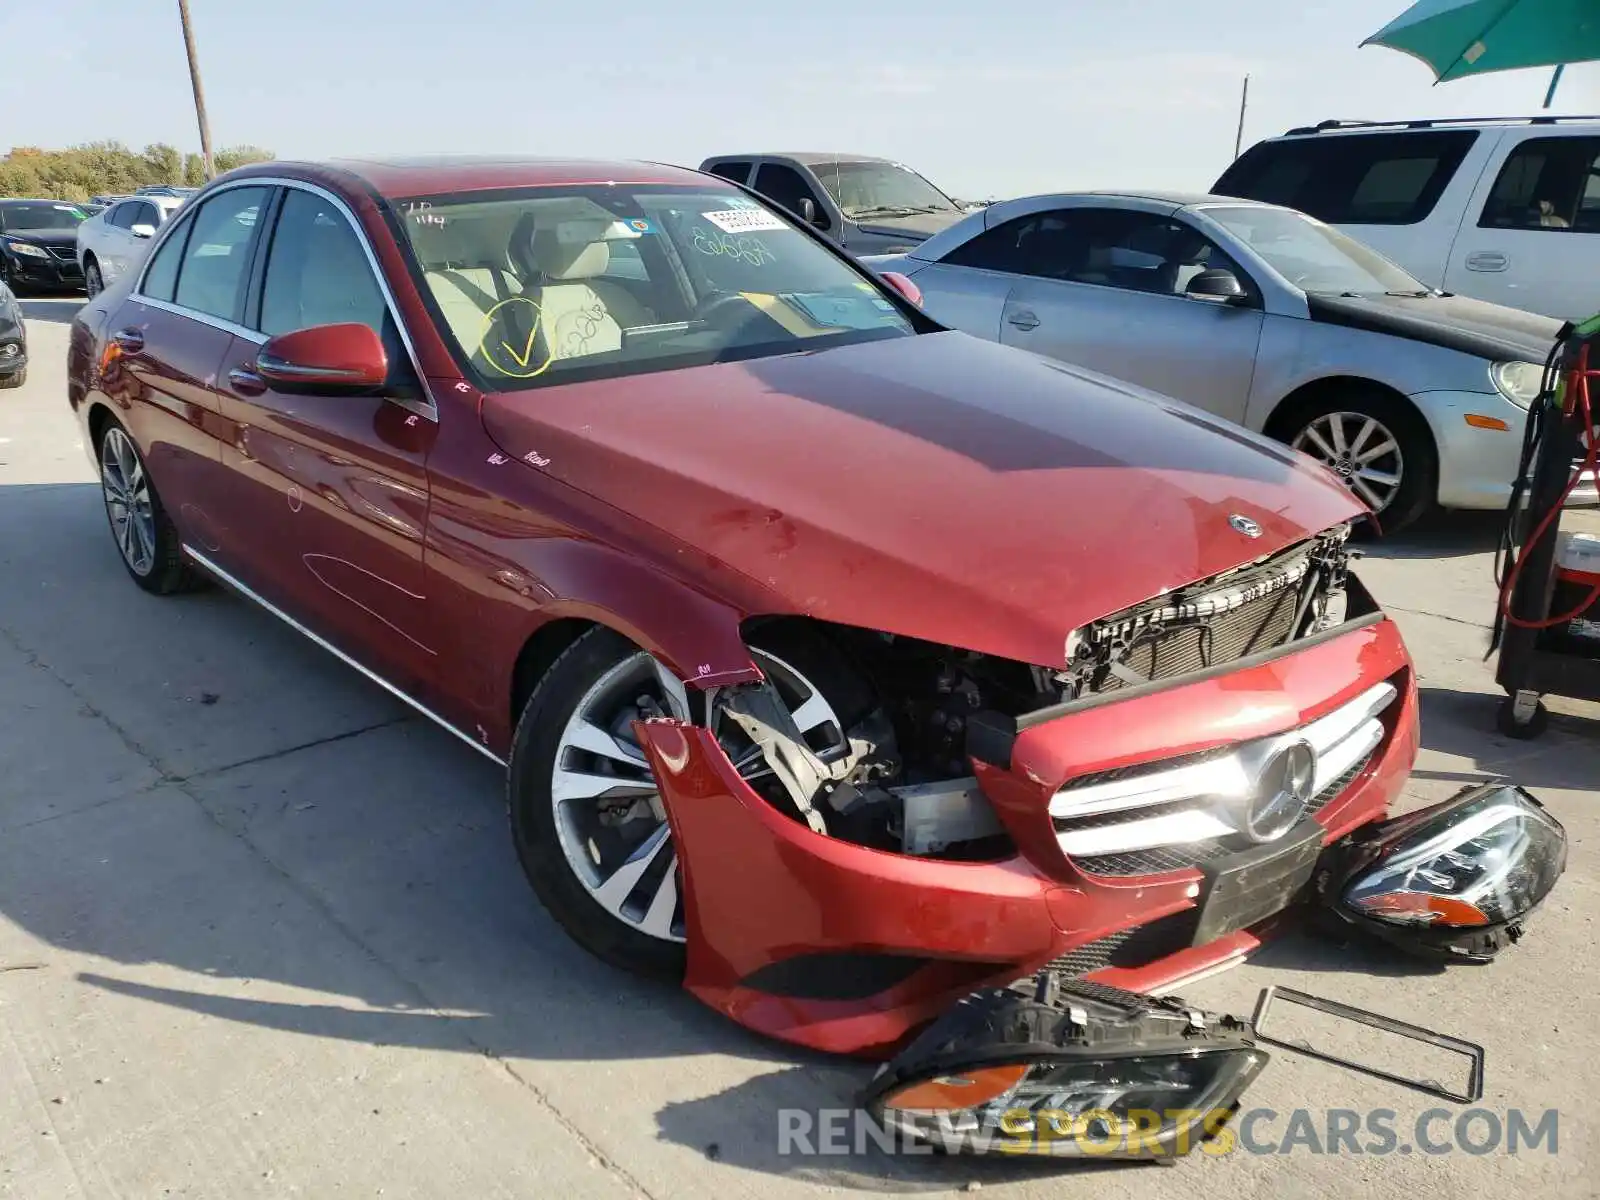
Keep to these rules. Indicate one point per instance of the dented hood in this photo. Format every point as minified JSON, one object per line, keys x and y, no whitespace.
{"x":936,"y":486}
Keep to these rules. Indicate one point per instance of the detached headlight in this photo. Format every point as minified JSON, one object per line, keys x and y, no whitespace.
{"x":1518,"y":382}
{"x":1081,"y":1072}
{"x":27,"y":249}
{"x":1457,"y":879}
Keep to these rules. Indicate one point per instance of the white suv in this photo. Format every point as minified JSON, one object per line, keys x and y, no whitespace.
{"x":1503,"y":210}
{"x":115,"y":241}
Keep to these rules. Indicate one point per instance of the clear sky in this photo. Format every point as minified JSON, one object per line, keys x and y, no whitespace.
{"x":985,"y":99}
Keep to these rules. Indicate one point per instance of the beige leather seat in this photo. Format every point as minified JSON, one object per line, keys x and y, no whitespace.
{"x":579,"y":312}
{"x":466,"y":295}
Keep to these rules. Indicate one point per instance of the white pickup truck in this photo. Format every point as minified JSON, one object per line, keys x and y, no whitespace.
{"x":865,"y":205}
{"x":1504,"y":210}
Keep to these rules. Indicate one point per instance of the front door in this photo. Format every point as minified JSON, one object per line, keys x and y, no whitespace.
{"x":330,"y":495}
{"x":1105,"y":289}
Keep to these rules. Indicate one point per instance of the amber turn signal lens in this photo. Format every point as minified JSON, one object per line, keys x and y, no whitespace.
{"x":1479,"y":421}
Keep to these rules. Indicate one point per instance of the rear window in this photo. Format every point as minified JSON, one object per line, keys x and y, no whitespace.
{"x":1352,"y":179}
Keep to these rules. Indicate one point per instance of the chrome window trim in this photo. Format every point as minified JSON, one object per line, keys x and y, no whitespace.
{"x":426,"y":407}
{"x":249,"y":594}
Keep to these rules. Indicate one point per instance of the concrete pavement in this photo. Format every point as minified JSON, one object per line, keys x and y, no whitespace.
{"x":262,"y":932}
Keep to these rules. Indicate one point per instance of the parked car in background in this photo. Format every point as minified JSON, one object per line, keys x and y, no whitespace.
{"x":13,"y":341}
{"x":38,"y":245}
{"x":1264,"y":316}
{"x":864,"y":205}
{"x":115,"y":241}
{"x":165,"y":189}
{"x":721,"y":564}
{"x":1506,"y":211}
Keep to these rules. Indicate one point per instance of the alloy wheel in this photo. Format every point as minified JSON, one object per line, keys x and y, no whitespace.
{"x":1361,"y":450}
{"x":127,"y":494}
{"x":93,"y":285}
{"x":609,"y":815}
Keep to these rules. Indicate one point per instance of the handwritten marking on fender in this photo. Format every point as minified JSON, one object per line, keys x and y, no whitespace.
{"x":498,"y":460}
{"x":411,"y":420}
{"x":463,"y":387}
{"x":703,"y":669}
{"x":534,"y":459}
{"x":295,"y":499}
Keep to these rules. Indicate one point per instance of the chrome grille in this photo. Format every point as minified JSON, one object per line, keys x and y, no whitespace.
{"x":64,"y":253}
{"x":1174,"y":813}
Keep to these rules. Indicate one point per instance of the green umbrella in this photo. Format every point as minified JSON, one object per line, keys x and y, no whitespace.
{"x":1456,"y":38}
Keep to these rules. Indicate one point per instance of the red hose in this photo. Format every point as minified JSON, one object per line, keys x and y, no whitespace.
{"x":1580,"y":388}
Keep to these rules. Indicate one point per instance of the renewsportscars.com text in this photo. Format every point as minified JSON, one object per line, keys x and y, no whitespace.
{"x":831,"y":1132}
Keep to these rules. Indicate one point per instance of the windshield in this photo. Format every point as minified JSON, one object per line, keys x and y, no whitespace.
{"x":866,"y":189}
{"x":1313,"y":256}
{"x":552,"y":285}
{"x":43,"y":216}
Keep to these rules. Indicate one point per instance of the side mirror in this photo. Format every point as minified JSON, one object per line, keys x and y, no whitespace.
{"x":810,"y":215}
{"x":347,"y":358}
{"x":903,"y":285}
{"x":142,"y":231}
{"x":1216,"y":284}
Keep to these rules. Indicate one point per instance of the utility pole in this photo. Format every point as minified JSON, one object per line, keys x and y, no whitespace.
{"x":1244,"y":100}
{"x":199,"y":95}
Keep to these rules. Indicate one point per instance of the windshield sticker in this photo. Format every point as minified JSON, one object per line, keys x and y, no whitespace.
{"x":639,"y":225}
{"x":743,"y":220}
{"x":742,"y":202}
{"x":726,"y":245}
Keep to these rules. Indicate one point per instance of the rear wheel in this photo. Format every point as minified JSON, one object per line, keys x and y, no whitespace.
{"x":1376,"y":444}
{"x":93,"y":284}
{"x":145,"y":536}
{"x":586,"y":815}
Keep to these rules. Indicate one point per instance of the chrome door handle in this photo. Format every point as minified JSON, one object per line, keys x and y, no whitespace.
{"x":246,"y":382}
{"x":1487,"y":260}
{"x":1024,"y":320}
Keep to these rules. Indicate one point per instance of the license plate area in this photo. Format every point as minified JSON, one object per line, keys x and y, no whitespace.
{"x":1254,"y":884}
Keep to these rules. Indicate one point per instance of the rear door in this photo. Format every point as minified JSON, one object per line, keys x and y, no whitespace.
{"x":1103,"y":288}
{"x":168,"y":339}
{"x":1531,"y":238}
{"x":111,"y":247}
{"x":330,"y":495}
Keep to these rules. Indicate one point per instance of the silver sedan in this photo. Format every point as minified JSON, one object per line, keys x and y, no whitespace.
{"x":1261,"y":315}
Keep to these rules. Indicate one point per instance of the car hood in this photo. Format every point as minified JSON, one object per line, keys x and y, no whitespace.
{"x":1490,"y":331}
{"x":916,"y":228}
{"x":936,"y":486}
{"x":46,"y":237}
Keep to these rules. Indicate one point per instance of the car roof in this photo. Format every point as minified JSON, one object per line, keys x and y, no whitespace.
{"x":1162,"y":196}
{"x":396,"y":178}
{"x":1335,"y":125}
{"x":806,"y":158}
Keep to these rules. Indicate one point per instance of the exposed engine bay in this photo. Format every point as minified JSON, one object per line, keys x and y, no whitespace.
{"x":900,"y":776}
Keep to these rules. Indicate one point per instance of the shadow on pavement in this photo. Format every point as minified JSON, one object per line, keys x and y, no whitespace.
{"x":59,"y":310}
{"x":1440,"y":535}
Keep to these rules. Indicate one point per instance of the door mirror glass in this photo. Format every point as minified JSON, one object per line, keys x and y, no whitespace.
{"x":1216,"y":284}
{"x":808,"y":210}
{"x":347,"y":358}
{"x":142,"y":231}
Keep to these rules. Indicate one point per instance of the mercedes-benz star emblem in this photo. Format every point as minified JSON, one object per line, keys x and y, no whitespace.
{"x":1243,"y":524}
{"x":1282,"y":793}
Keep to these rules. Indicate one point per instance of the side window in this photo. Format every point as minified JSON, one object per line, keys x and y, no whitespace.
{"x":1355,"y":179}
{"x":121,"y":216}
{"x":785,"y":186}
{"x":317,"y":271}
{"x":144,"y":213}
{"x":739,"y":172}
{"x":163,"y":272}
{"x":994,"y":249}
{"x":1547,"y":183}
{"x":216,"y":259}
{"x":1144,"y":252}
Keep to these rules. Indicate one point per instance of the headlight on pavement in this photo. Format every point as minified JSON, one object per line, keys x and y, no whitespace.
{"x":1082,"y":1072}
{"x":27,"y":250}
{"x":1518,"y":382}
{"x":1457,"y":879}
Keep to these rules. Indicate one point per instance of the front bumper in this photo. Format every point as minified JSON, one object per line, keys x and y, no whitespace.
{"x":847,"y":949}
{"x":54,"y":272}
{"x":13,"y":347}
{"x":1477,"y":465}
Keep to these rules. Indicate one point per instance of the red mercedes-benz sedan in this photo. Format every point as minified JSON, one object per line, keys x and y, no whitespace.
{"x":840,"y":663}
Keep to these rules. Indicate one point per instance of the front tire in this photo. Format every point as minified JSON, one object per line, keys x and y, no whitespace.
{"x":145,"y":536}
{"x":1377,"y":444}
{"x":93,"y":282}
{"x":587,"y":819}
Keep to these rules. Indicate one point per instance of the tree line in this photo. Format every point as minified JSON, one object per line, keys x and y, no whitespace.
{"x":106,"y":168}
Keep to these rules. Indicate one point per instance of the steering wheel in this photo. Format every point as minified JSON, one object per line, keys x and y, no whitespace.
{"x":718,"y":305}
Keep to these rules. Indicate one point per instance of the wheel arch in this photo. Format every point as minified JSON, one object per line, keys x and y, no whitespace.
{"x":99,"y":413}
{"x":1279,"y":423}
